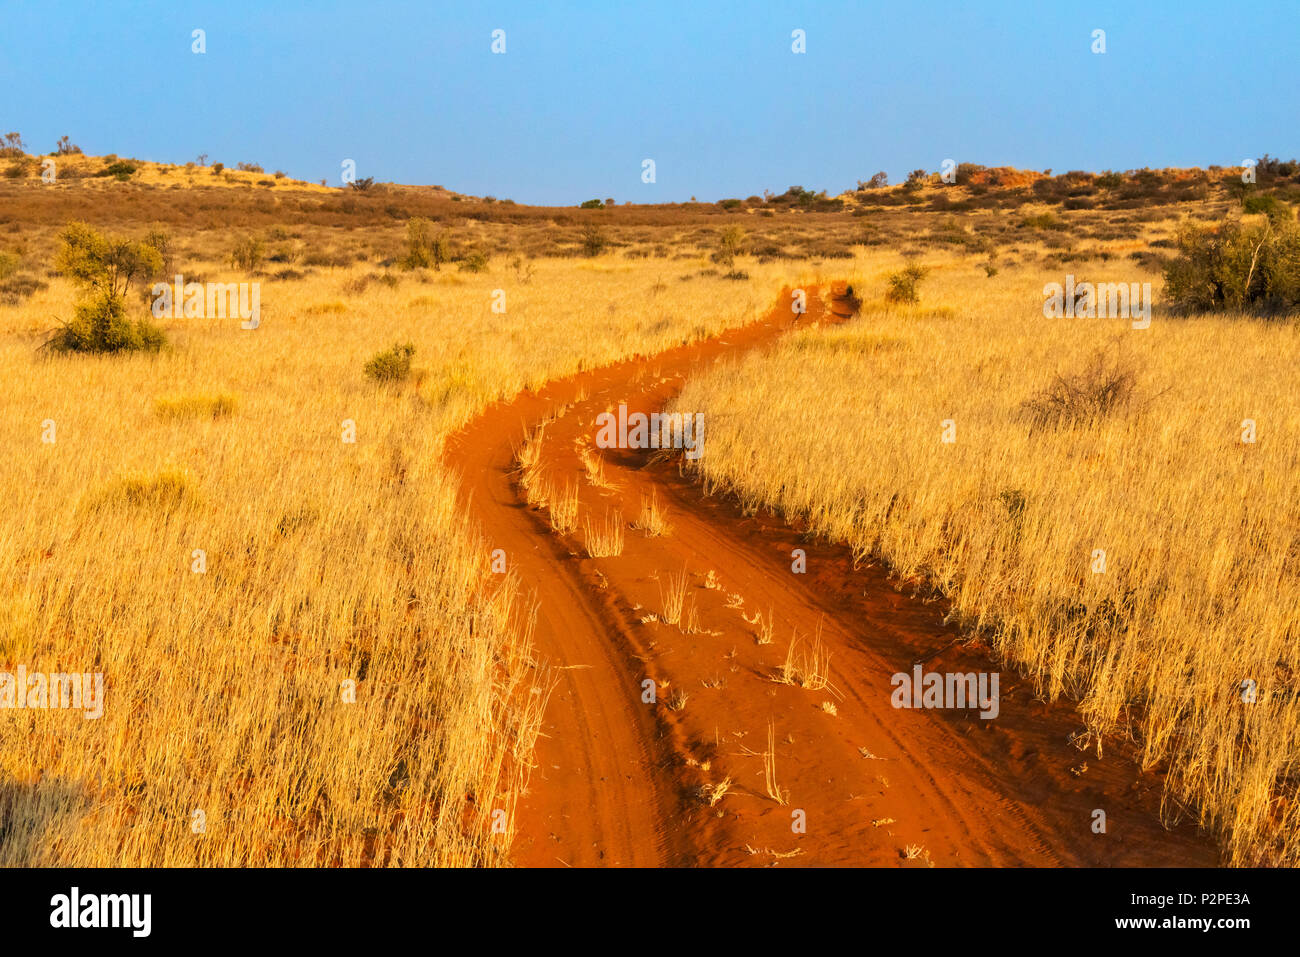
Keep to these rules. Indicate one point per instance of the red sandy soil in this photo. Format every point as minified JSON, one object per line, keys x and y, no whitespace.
{"x":616,"y":781}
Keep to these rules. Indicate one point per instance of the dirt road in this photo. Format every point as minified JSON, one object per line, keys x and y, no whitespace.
{"x":829,"y":774}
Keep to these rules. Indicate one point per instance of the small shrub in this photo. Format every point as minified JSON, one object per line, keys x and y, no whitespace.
{"x":592,"y":204}
{"x":1041,"y":221}
{"x":217,"y":168}
{"x":106,"y":266}
{"x":1269,"y":205}
{"x":423,"y":247}
{"x":902,"y":285}
{"x":593,"y":240}
{"x":100,"y":325}
{"x":161,"y":242}
{"x":731,"y":243}
{"x":248,"y":253}
{"x":474,"y":262}
{"x":393,"y":365}
{"x":121,"y":171}
{"x":249,"y":168}
{"x":1103,"y":386}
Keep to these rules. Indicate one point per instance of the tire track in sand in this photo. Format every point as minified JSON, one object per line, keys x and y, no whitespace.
{"x":622,"y":783}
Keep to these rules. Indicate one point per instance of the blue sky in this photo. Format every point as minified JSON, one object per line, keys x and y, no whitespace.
{"x":711,"y":91}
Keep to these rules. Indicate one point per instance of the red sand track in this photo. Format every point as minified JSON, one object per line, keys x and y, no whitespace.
{"x":617,"y":781}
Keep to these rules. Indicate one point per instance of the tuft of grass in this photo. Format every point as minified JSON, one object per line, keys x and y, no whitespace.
{"x":653,"y":519}
{"x":774,"y":790}
{"x":606,"y":539}
{"x":195,"y":407}
{"x":673,"y":598}
{"x":807,"y":664}
{"x":713,"y":793}
{"x":164,"y":492}
{"x":564,"y":509}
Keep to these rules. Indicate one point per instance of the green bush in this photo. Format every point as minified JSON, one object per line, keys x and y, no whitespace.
{"x":474,"y":262}
{"x":105,"y":266}
{"x":593,"y":204}
{"x":100,"y":325}
{"x":1234,"y":267}
{"x":902,"y":285}
{"x":121,"y":170}
{"x":393,"y":365}
{"x":1269,"y":205}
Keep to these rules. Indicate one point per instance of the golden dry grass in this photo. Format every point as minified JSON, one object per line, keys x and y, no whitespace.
{"x":1201,"y":532}
{"x":326,"y":562}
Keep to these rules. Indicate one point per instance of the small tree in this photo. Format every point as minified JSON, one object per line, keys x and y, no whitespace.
{"x":248,"y":253}
{"x":916,"y":179}
{"x":105,"y":266}
{"x":361,"y":185}
{"x":731,"y":244}
{"x":13,"y":145}
{"x":423,"y":247}
{"x":902,"y":285}
{"x":65,"y":147}
{"x":593,"y":240}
